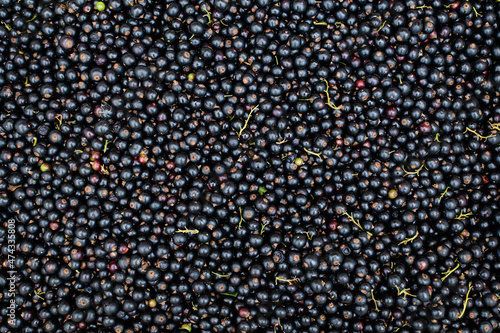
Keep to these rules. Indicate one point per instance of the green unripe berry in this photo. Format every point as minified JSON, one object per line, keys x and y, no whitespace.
{"x":190,"y":76}
{"x":100,"y":6}
{"x":186,"y":327}
{"x":393,"y":194}
{"x":45,"y":167}
{"x":299,"y":161}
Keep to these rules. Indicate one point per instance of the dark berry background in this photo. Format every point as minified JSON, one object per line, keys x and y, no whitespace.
{"x":250,"y":166}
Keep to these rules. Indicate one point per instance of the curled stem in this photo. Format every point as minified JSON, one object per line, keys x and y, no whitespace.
{"x":59,"y":119}
{"x":281,"y":142}
{"x":495,"y":126}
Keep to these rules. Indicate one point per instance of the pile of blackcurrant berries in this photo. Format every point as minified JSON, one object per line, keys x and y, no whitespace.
{"x":267,"y":166}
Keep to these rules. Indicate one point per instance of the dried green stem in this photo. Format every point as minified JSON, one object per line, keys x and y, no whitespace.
{"x":409,"y":240}
{"x":31,"y":19}
{"x":281,"y":142}
{"x":312,"y":153}
{"x":241,"y":219}
{"x":449,"y":271}
{"x":221,"y":275}
{"x":328,"y":101}
{"x":247,"y":120}
{"x":466,"y":300}
{"x":405,"y":292}
{"x":416,"y":172}
{"x":479,"y":136}
{"x":309,"y":236}
{"x":8,"y":27}
{"x":382,"y":26}
{"x":187,"y":231}
{"x":38,"y":293}
{"x":374,"y":301}
{"x":351,"y":218}
{"x":231,"y":295}
{"x":207,"y":15}
{"x":295,"y":279}
{"x":463,"y":216}
{"x":444,"y":193}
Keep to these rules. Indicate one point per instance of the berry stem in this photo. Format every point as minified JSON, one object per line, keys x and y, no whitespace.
{"x":466,"y":300}
{"x":221,"y":275}
{"x":186,"y":231}
{"x":463,"y":216}
{"x":444,"y":193}
{"x":409,"y":240}
{"x":295,"y":279}
{"x":281,"y":142}
{"x":479,"y":136}
{"x":449,"y":271}
{"x":405,"y":292}
{"x":232,"y":295}
{"x":416,"y":172}
{"x":247,"y":120}
{"x":328,"y":102}
{"x":241,"y":219}
{"x":382,"y":26}
{"x":312,"y":153}
{"x":207,"y":15}
{"x":31,"y":19}
{"x":374,"y":301}
{"x":356,"y":223}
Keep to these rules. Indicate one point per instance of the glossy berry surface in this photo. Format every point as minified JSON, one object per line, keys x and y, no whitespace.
{"x":250,"y":166}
